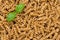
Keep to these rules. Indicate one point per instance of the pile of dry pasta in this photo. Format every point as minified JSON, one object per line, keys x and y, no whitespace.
{"x":40,"y":20}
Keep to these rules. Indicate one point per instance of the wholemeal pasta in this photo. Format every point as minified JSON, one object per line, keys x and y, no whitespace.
{"x":40,"y":20}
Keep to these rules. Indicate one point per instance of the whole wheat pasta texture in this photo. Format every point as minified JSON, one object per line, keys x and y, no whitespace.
{"x":40,"y":20}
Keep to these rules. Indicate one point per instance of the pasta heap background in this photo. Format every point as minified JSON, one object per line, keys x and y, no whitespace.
{"x":40,"y":20}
